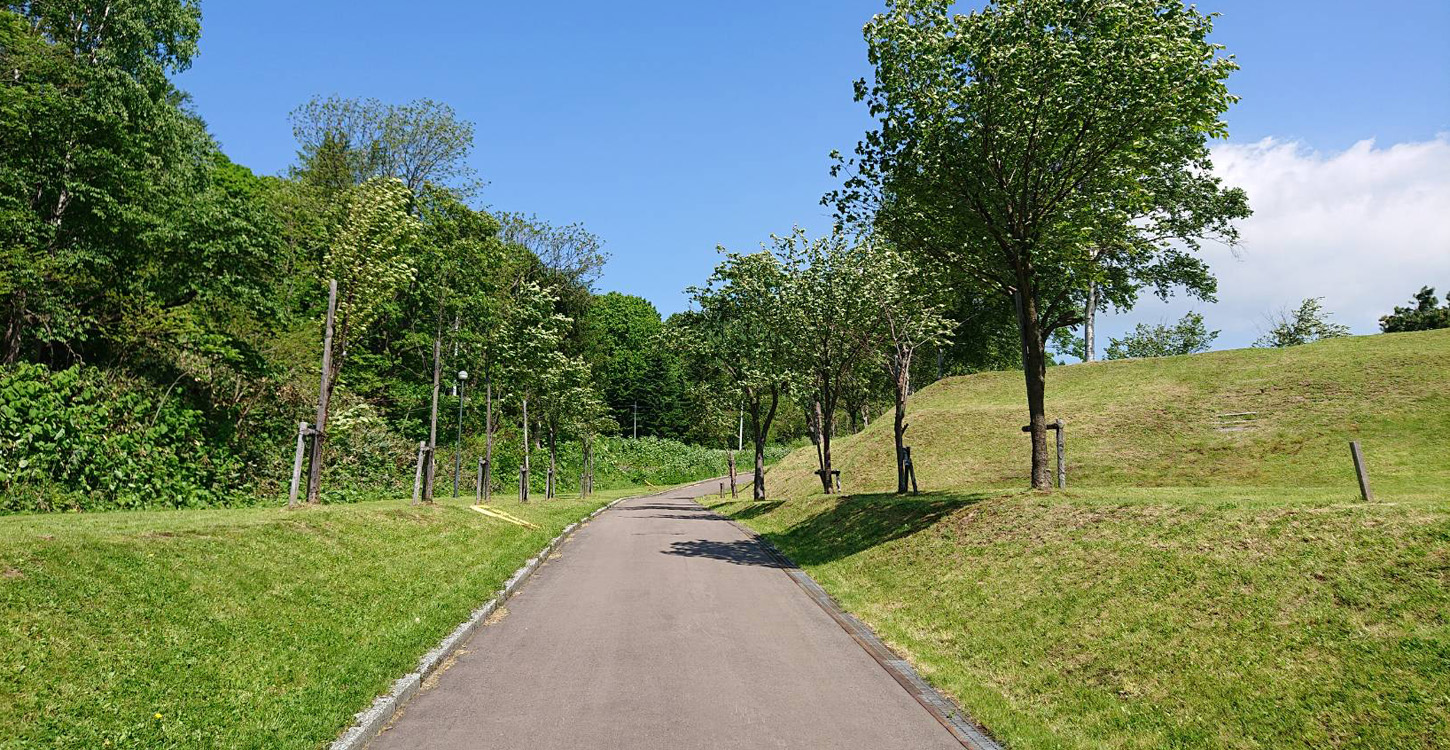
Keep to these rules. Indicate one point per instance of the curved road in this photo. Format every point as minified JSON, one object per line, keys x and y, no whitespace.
{"x":661,"y":625}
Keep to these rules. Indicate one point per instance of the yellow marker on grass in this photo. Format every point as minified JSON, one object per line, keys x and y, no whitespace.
{"x":502,"y":516}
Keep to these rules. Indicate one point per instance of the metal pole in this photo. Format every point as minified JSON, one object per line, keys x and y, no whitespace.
{"x":636,"y":420}
{"x":740,"y":436}
{"x":458,"y":451}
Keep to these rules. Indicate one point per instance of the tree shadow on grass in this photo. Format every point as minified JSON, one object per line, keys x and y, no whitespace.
{"x":861,"y":522}
{"x":756,"y":509}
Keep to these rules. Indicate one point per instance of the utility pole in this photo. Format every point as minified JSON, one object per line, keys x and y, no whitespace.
{"x":740,"y":436}
{"x":636,"y":420}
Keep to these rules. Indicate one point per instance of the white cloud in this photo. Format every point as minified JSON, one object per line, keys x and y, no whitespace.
{"x":1364,"y":228}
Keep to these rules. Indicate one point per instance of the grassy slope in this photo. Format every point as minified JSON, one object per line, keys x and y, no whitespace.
{"x":1197,"y":588}
{"x":255,"y":628}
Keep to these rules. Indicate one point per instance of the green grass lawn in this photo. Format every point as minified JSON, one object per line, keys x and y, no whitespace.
{"x":1194,"y":589}
{"x":250,"y":628}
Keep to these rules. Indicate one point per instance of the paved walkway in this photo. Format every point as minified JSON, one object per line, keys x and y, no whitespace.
{"x":660,"y":625}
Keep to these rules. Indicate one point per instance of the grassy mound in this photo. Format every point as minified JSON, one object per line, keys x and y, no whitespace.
{"x":1217,"y":584}
{"x":244,"y":628}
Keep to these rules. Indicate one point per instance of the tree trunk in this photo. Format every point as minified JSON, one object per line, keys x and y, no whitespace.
{"x":1088,"y":316}
{"x":432,"y":464}
{"x":826,"y":420}
{"x":14,"y":328}
{"x":901,"y":379}
{"x":1034,"y":369}
{"x":324,"y":399}
{"x":730,"y":459}
{"x":761,"y":426}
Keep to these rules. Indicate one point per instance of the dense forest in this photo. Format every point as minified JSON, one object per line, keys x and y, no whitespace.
{"x":164,"y":306}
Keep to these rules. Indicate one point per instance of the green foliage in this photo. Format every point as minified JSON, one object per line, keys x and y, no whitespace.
{"x":626,"y":345}
{"x":367,"y":255}
{"x":1187,"y":336}
{"x":1045,"y":147}
{"x":346,"y":142}
{"x":1424,"y":316}
{"x":1304,"y":325}
{"x":76,"y":440}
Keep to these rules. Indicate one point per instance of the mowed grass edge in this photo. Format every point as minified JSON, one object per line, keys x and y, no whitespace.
{"x":250,"y":628}
{"x":1196,"y":587}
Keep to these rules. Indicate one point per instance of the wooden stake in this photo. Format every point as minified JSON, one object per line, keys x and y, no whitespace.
{"x":1061,"y":458}
{"x":319,"y":432}
{"x":297,"y":464}
{"x":1361,"y":472}
{"x":418,"y":476}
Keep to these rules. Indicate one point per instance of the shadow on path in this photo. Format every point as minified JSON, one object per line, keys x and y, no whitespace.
{"x":739,"y":552}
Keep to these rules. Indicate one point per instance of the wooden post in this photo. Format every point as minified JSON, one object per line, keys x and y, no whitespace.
{"x":297,"y":464}
{"x":1057,"y":426}
{"x":418,"y":476}
{"x":1061,"y":458}
{"x":319,"y":431}
{"x":430,"y":472}
{"x":479,"y":493}
{"x":1359,"y":470}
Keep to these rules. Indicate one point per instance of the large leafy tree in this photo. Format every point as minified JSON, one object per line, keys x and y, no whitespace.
{"x":368,"y":256}
{"x":833,"y":324}
{"x":739,"y":329}
{"x":1045,"y":148}
{"x":349,"y":141}
{"x":623,"y":344}
{"x":909,"y":302}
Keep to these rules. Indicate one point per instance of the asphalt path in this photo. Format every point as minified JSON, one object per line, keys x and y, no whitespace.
{"x":662,"y":625}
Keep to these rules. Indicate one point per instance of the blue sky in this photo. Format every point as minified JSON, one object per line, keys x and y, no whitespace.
{"x":668,"y":128}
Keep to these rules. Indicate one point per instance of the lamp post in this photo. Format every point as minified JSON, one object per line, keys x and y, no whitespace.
{"x":458,"y":453}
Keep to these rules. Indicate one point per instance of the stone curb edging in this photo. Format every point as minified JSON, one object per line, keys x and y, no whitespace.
{"x":961,"y":726}
{"x":369,"y":722}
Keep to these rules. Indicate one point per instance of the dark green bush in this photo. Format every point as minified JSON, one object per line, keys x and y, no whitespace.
{"x":78,"y":439}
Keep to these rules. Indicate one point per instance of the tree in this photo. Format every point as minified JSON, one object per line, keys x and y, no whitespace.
{"x":833,"y":325}
{"x":1046,"y":148}
{"x":1424,"y":316}
{"x":1187,"y":336}
{"x":631,"y":365}
{"x":367,"y":257}
{"x":739,"y":328}
{"x":572,"y":250}
{"x":458,"y":281}
{"x":1304,"y":325}
{"x":528,"y":353}
{"x":905,"y":297}
{"x":350,"y":141}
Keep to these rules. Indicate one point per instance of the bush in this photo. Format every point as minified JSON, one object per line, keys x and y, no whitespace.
{"x":77,"y":440}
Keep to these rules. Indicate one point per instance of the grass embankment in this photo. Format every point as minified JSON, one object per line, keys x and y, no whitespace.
{"x":1197,"y":586}
{"x":243,"y":628}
